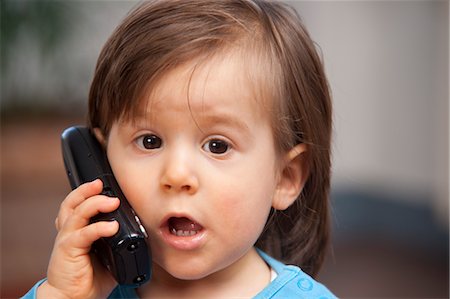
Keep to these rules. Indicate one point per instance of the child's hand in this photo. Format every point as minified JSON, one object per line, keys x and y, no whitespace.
{"x":72,"y":273}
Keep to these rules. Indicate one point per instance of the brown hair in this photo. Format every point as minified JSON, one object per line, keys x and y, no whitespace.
{"x":158,"y":36}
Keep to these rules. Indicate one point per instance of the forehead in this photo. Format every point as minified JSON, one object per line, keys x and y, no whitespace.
{"x":220,"y":85}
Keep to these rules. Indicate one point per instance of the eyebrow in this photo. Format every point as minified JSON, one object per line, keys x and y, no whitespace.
{"x":225,"y":119}
{"x":204,"y":119}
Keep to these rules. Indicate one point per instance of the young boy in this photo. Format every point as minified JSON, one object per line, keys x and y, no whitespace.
{"x":216,"y":120}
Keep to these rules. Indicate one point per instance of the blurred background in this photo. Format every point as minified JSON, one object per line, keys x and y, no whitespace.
{"x":388,"y":67}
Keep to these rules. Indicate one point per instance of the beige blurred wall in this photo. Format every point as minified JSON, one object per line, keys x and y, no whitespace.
{"x":388,"y":67}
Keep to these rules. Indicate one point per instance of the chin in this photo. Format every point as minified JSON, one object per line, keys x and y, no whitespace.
{"x":188,"y":268}
{"x":188,"y":271}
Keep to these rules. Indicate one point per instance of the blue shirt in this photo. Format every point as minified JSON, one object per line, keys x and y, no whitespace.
{"x":291,"y":282}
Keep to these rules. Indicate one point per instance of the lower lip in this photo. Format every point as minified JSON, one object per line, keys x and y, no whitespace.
{"x":181,"y":242}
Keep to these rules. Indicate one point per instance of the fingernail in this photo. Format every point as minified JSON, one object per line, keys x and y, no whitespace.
{"x":111,"y":200}
{"x":113,"y":224}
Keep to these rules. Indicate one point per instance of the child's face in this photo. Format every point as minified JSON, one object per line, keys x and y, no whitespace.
{"x":200,"y":171}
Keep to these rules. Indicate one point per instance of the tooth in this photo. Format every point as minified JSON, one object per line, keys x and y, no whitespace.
{"x":182,"y":233}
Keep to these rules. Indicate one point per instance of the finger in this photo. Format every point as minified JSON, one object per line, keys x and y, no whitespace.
{"x":82,"y":192}
{"x":88,"y":234}
{"x":80,"y":241}
{"x":76,"y":197}
{"x":89,"y":208}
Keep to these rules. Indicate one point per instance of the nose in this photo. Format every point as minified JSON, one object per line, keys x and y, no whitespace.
{"x":179,"y":174}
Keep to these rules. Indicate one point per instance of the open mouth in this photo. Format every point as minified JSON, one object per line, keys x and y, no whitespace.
{"x":183,"y":227}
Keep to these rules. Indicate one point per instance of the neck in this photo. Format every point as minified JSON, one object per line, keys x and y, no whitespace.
{"x":245,"y":278}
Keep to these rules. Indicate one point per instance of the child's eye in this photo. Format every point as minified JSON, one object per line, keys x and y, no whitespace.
{"x":149,"y":141}
{"x":216,"y":146}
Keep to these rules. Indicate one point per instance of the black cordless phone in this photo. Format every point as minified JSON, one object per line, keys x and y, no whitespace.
{"x":125,"y":254}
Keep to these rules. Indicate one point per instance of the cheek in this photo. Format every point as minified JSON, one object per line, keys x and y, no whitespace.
{"x":134,"y":182}
{"x":244,"y":206}
{"x":253,"y":186}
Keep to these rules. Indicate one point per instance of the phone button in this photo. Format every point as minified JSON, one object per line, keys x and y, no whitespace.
{"x":133,"y":246}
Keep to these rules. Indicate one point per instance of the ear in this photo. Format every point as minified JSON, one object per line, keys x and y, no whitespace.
{"x":100,"y":137}
{"x":292,"y":177}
